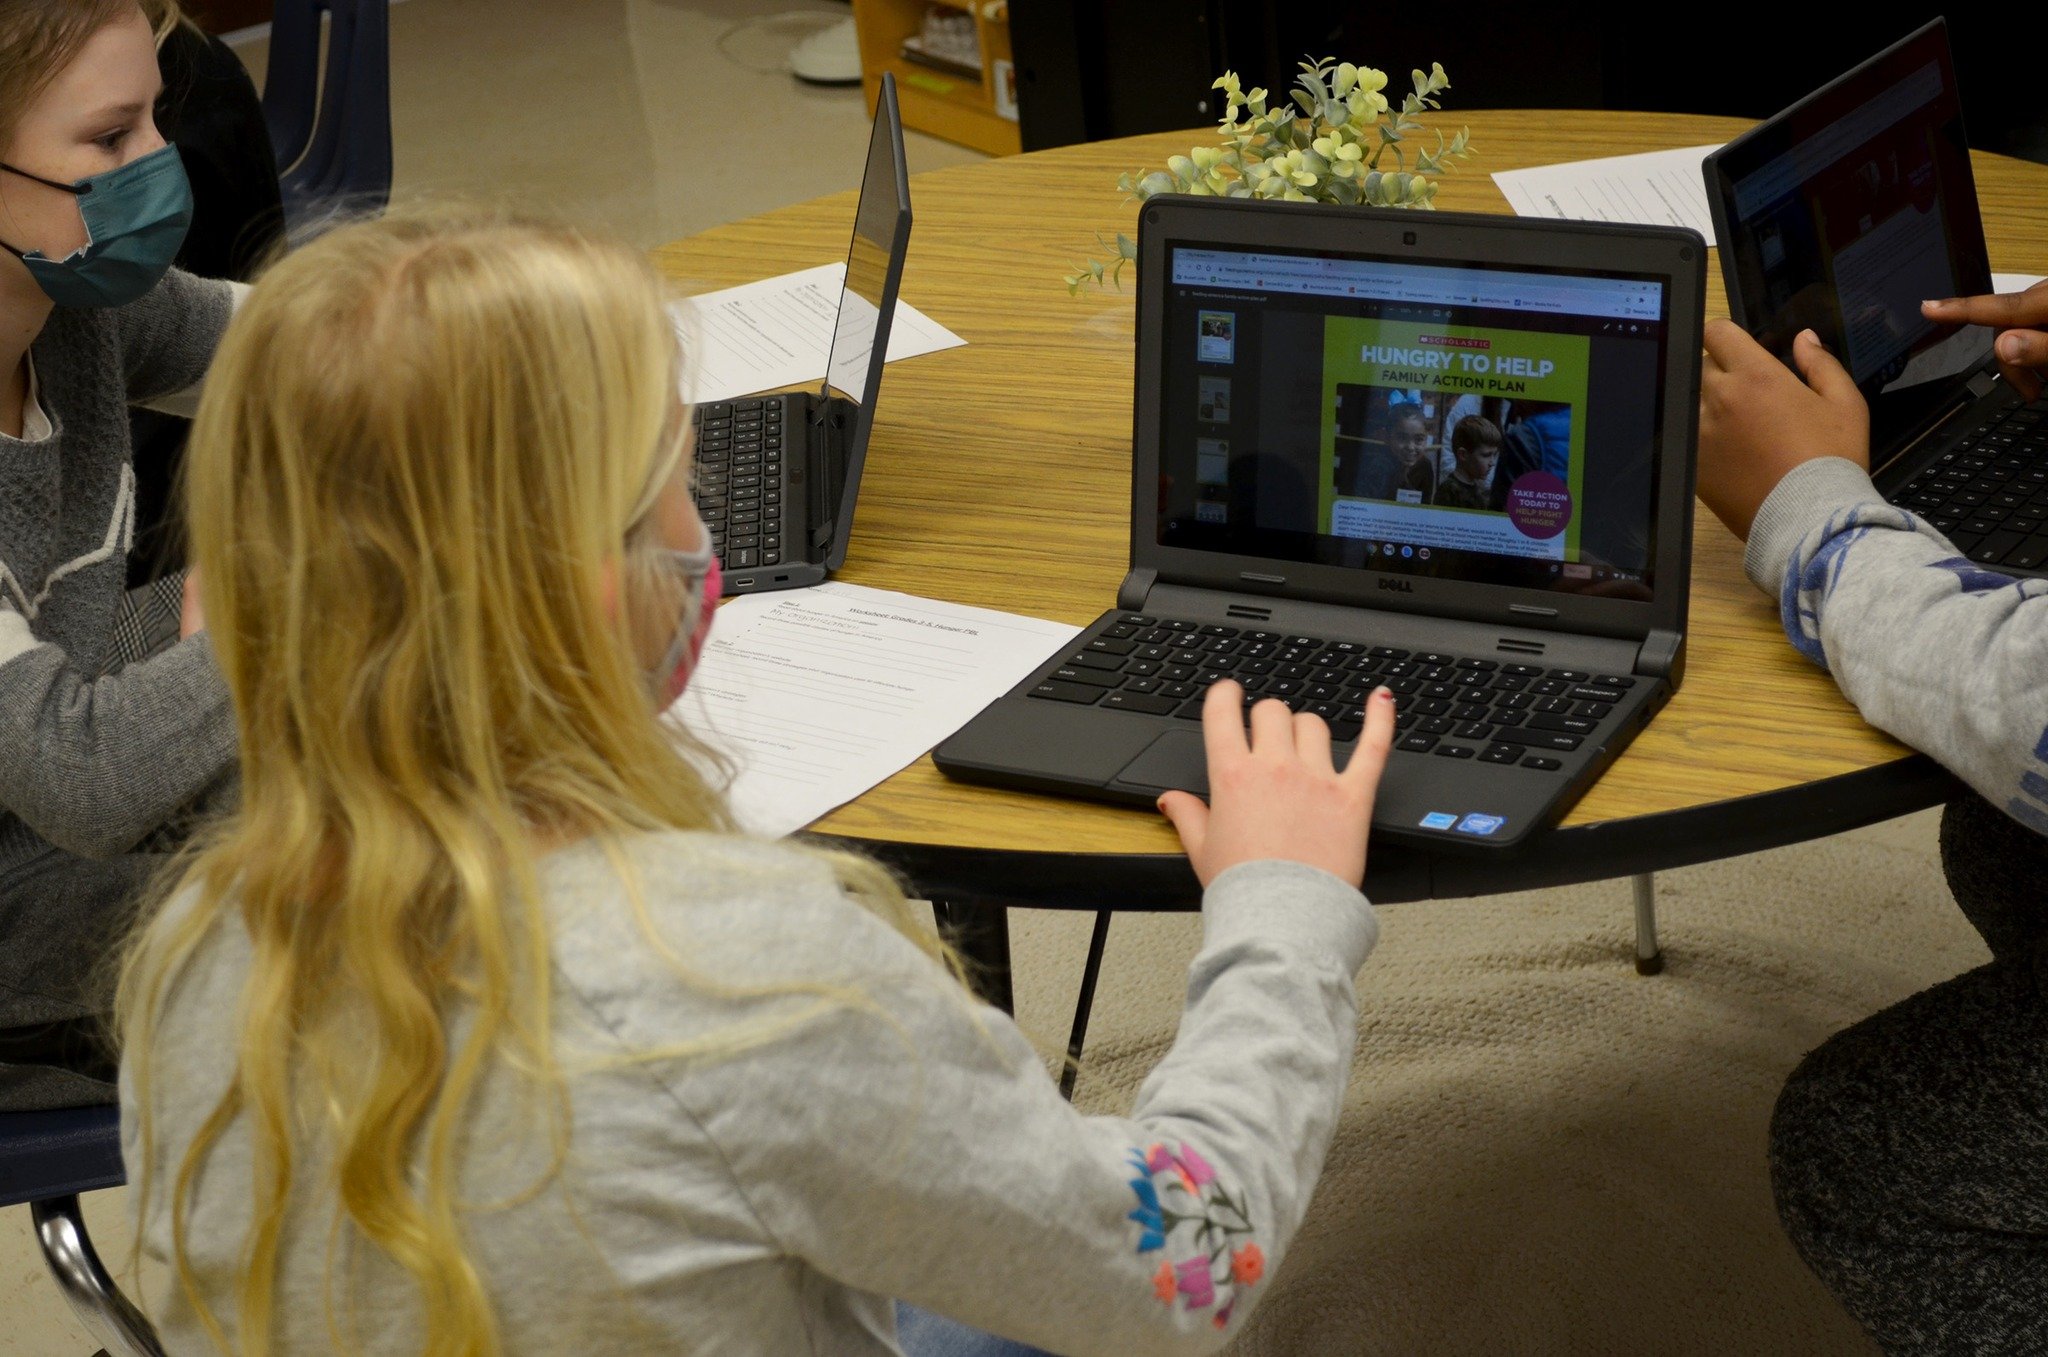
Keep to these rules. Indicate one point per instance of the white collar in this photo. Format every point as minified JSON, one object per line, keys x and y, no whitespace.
{"x":35,"y":425}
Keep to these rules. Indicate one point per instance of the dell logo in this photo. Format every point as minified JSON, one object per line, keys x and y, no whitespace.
{"x":1388,"y":582}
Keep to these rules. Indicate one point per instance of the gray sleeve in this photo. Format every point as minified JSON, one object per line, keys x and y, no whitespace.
{"x":168,"y":336}
{"x":93,"y":765}
{"x":184,"y":402}
{"x":1942,"y":653}
{"x":924,"y":1154}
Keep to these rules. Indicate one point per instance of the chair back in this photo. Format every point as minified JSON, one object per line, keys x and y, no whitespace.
{"x":331,"y":129}
{"x":59,"y":1154}
{"x":46,"y":1160}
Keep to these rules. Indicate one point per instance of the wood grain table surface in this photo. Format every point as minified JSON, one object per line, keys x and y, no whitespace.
{"x":998,"y":475}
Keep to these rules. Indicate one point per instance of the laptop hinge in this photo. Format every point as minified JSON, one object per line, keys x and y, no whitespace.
{"x":1137,"y":584}
{"x":1662,"y":655}
{"x":1979,"y":386}
{"x":827,"y":420}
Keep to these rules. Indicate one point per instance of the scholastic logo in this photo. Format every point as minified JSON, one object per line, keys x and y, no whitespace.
{"x":1454,"y":341}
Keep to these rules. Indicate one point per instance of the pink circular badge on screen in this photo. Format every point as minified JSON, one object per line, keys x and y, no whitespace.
{"x":1539,"y":505}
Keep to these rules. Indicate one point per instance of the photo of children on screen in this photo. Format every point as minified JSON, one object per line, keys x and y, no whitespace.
{"x":1475,"y":455}
{"x":1464,"y":453}
{"x":1393,"y":461}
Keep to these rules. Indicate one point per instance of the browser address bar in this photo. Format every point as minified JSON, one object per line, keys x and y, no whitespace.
{"x":1451,"y":287}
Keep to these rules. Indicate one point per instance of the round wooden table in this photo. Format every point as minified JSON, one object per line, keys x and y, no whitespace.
{"x":998,"y":475}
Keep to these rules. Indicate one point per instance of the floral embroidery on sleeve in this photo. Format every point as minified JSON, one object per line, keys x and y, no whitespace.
{"x":1181,"y":1202}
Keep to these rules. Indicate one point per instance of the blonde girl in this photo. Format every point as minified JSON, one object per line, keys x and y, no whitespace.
{"x":475,"y":1029}
{"x":112,"y":717}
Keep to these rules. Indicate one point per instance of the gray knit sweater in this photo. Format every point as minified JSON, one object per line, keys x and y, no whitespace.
{"x":90,"y":760}
{"x":769,"y":1204}
{"x":1932,"y":647}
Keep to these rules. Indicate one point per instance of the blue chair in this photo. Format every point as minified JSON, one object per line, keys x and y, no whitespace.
{"x":46,"y":1160}
{"x":331,"y":132}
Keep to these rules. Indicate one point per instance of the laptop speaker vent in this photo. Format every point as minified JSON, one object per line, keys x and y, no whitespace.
{"x":1520,"y":647}
{"x":1249,"y":614}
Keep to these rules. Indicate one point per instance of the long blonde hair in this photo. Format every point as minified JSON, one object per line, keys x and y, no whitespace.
{"x":420,"y":458}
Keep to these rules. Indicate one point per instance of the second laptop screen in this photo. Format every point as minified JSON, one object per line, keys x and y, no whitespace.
{"x":1442,"y":419}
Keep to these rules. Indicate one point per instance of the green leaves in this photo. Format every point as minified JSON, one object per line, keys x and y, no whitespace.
{"x":1326,"y":143}
{"x":1094,"y":270}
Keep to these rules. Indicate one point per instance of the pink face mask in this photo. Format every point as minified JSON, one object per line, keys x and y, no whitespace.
{"x":703,"y":583}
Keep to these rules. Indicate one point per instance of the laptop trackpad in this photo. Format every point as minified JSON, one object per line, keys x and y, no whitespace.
{"x":1176,"y":760}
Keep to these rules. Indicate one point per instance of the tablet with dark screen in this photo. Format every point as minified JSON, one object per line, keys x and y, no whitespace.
{"x":1847,"y":210}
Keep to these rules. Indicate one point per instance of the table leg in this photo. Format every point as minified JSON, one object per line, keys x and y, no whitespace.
{"x":981,"y":934}
{"x":1084,"y":1003}
{"x":1649,"y":957}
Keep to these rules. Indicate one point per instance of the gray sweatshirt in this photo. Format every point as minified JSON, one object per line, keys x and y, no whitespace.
{"x":774,"y":1201}
{"x":1930,"y":646}
{"x":92,"y":760}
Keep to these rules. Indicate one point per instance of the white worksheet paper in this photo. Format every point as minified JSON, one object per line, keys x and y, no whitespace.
{"x":816,"y":695}
{"x":778,"y":332}
{"x":1655,"y":188}
{"x":2013,"y":282}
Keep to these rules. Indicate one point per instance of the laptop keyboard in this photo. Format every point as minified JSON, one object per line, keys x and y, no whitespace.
{"x":738,"y":480}
{"x":1989,"y":494}
{"x":1447,"y":705}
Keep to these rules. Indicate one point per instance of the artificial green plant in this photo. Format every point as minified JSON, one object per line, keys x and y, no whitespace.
{"x":1329,"y":145}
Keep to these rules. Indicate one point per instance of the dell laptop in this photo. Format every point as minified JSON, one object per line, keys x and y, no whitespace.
{"x":1449,"y":454}
{"x":1842,"y":214}
{"x":776,"y":476}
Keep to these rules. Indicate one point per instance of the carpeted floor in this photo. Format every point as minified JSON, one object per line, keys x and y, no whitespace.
{"x":1541,"y":1151}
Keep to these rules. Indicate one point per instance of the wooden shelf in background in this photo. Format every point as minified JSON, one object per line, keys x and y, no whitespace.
{"x":228,"y":16}
{"x":939,"y":103}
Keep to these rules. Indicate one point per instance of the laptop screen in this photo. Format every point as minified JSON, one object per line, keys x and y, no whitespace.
{"x":1845,"y":212}
{"x":1444,"y":418}
{"x":867,"y":307}
{"x":880,"y":218}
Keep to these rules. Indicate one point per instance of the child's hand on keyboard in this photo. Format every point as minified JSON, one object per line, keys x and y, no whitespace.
{"x":1758,"y":420}
{"x":1278,"y":794}
{"x":2022,"y":347}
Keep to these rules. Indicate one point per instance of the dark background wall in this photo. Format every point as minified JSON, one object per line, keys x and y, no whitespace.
{"x":1089,"y":69}
{"x":225,"y":16}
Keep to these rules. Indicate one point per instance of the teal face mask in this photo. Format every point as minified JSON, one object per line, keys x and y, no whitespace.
{"x":135,"y":219}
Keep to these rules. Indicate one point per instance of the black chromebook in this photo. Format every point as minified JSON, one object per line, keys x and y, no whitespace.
{"x":1843,"y":213}
{"x":1449,"y":454}
{"x":776,"y":477}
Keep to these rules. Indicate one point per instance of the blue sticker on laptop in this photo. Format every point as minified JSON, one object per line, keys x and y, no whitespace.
{"x":1480,"y":824}
{"x":1438,"y":819}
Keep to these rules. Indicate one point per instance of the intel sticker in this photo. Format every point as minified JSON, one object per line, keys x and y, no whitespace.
{"x":1437,"y":819}
{"x":1480,"y":824}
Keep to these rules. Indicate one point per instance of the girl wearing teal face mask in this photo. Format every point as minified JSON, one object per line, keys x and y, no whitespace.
{"x":113,"y":719}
